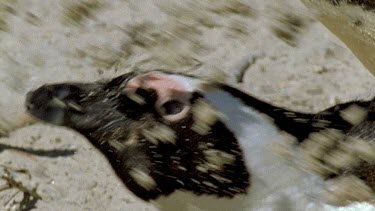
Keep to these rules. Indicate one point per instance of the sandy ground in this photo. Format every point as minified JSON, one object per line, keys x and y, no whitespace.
{"x":273,"y":49}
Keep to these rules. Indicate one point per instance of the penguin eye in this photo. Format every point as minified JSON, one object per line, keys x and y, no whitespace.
{"x":172,"y":107}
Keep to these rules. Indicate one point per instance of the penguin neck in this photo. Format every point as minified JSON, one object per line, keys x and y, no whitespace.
{"x":254,"y":130}
{"x":246,"y":122}
{"x":299,"y":125}
{"x":242,"y":119}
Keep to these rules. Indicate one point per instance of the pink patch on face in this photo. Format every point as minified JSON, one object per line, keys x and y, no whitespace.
{"x":167,"y":89}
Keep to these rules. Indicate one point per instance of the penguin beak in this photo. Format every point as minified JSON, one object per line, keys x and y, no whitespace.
{"x":50,"y":103}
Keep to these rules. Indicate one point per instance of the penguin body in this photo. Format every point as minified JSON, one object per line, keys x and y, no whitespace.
{"x":187,"y":144}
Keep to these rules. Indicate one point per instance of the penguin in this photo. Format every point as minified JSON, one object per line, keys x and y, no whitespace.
{"x":186,"y":143}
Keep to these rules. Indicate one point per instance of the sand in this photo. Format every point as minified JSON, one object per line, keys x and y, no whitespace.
{"x":272,"y":49}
